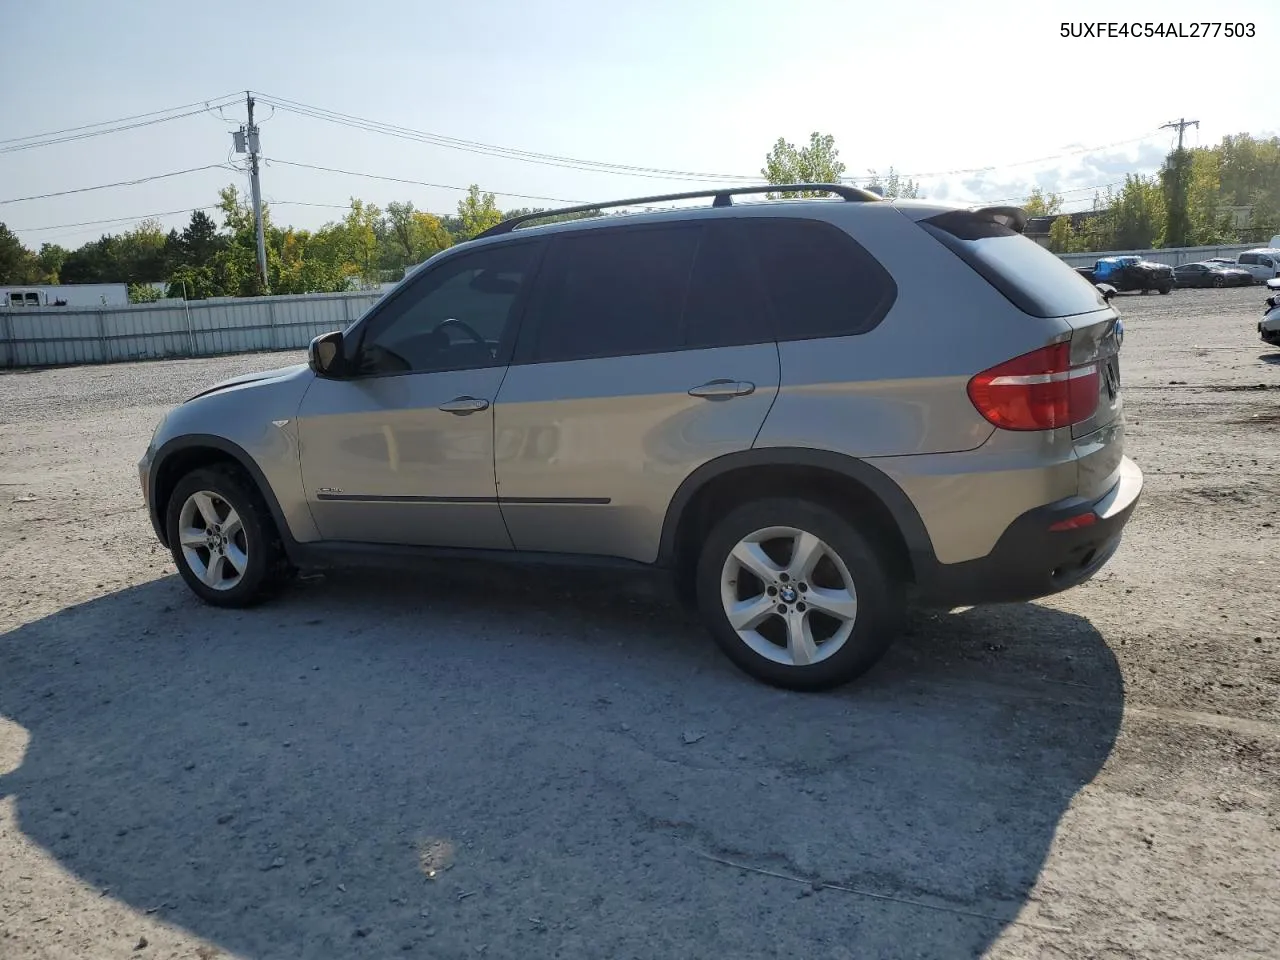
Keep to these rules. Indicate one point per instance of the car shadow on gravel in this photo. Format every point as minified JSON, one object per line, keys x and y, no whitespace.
{"x":509,"y":765}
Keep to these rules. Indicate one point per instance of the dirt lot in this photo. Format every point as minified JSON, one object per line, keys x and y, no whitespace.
{"x":528,"y":767}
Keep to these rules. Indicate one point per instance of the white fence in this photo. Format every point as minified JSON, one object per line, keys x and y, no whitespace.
{"x":59,"y":335}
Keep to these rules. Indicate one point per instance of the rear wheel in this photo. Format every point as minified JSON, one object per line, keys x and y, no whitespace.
{"x":1166,"y":289}
{"x":795,"y":595}
{"x":222,"y":537}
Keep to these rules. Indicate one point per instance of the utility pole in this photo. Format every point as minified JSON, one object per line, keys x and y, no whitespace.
{"x":1178,"y":217}
{"x":1180,"y":125}
{"x":246,"y":140}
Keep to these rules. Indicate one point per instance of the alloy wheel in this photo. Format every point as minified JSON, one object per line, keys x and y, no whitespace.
{"x":788,"y":596}
{"x":213,"y":541}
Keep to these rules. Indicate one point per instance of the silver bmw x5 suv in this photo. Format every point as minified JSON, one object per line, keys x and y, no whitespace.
{"x":806,"y":412}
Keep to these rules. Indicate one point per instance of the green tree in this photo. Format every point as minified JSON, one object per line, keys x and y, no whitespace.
{"x":1175,"y":177}
{"x":50,"y":259}
{"x":144,"y":293}
{"x":1040,"y":204}
{"x":199,"y":241}
{"x":893,"y":185}
{"x":17,"y":263}
{"x":477,"y":212}
{"x":817,"y":162}
{"x":1061,"y":235}
{"x":360,"y":228}
{"x":415,"y":236}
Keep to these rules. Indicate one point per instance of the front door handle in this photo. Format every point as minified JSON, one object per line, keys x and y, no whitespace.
{"x":464,"y":405}
{"x":723,"y":389}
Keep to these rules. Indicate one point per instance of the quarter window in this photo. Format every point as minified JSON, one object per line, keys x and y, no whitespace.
{"x":819,"y":280}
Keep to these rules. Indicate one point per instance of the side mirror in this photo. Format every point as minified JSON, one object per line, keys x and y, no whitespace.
{"x":324,"y":356}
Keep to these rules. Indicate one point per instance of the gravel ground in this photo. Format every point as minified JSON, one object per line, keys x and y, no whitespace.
{"x":474,"y":765}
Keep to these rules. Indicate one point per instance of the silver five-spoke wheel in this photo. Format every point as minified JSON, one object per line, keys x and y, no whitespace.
{"x":213,"y":541}
{"x":789,"y":596}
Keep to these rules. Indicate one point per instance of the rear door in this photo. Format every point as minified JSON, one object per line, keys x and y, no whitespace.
{"x":645,"y":352}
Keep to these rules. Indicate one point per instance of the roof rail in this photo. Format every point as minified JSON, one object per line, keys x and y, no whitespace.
{"x":722,"y":198}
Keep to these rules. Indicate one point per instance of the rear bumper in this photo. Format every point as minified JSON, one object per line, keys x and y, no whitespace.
{"x":1030,"y":560}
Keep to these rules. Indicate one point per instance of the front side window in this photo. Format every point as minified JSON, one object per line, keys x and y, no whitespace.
{"x":457,"y":316}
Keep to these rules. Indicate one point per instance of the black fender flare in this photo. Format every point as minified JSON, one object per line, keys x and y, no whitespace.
{"x":898,"y":504}
{"x":235,"y":452}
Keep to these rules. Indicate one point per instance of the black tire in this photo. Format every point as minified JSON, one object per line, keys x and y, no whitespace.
{"x":880,"y":598}
{"x":259,"y":539}
{"x":1166,"y":289}
{"x":1219,"y":281}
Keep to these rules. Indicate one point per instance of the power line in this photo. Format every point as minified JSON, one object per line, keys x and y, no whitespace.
{"x":598,"y":166}
{"x":86,"y":131}
{"x":417,"y":183}
{"x":216,"y":101}
{"x":121,"y":183}
{"x":138,"y":218}
{"x":1099,"y":186}
{"x":488,"y":149}
{"x":1021,"y":163}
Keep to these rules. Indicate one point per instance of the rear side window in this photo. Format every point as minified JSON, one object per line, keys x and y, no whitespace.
{"x":1035,"y":280}
{"x":613,"y":293}
{"x":819,"y":280}
{"x":724,"y":307}
{"x":1248,"y":258}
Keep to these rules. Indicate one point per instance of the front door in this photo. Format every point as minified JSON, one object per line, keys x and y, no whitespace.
{"x":401,"y":451}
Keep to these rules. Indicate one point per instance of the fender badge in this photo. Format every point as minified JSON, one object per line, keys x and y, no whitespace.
{"x":279,"y":423}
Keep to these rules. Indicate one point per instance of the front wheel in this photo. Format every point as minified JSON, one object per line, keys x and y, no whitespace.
{"x":1166,"y":289}
{"x":795,"y":595}
{"x":1219,"y":281}
{"x":222,"y":537}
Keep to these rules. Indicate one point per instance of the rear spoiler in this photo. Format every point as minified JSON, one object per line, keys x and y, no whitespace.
{"x":1015,"y":218}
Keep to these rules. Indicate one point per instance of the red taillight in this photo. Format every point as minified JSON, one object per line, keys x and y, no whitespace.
{"x":1037,"y":391}
{"x":1075,"y":523}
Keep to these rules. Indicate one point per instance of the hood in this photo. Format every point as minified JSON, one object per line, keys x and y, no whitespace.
{"x":277,"y":374}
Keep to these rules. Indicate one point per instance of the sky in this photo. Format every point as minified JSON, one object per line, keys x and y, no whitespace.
{"x":963,"y":96}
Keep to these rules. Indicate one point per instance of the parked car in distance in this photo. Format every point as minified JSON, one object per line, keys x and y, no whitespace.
{"x":799,"y":411}
{"x":1263,"y":264}
{"x":1127,"y":273}
{"x":1269,"y":325}
{"x":1229,"y":261}
{"x":1209,"y":274}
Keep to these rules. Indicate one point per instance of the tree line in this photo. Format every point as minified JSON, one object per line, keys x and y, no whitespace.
{"x":368,"y":246}
{"x":1184,"y":204}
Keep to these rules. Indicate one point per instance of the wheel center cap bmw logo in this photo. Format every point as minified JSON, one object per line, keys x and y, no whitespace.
{"x":788,"y":595}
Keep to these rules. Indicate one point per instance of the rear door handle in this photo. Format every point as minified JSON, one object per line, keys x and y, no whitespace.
{"x":723,"y":389}
{"x":464,"y":405}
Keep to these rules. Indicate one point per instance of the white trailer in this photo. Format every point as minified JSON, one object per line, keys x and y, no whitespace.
{"x":39,"y":296}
